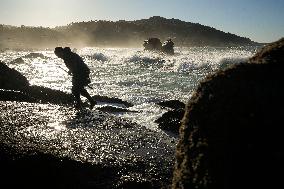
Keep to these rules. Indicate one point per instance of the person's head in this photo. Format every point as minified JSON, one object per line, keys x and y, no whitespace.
{"x":67,"y":50}
{"x":59,"y":52}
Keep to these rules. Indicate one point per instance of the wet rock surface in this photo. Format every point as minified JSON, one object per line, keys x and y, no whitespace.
{"x":231,"y":135}
{"x":174,"y":104}
{"x":171,"y":120}
{"x":11,"y":78}
{"x":154,"y":44}
{"x":15,"y":87}
{"x":57,"y":146}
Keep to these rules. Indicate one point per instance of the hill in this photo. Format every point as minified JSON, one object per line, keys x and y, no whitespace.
{"x":120,"y":33}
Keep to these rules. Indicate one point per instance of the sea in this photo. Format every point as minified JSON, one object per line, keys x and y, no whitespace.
{"x":140,"y":77}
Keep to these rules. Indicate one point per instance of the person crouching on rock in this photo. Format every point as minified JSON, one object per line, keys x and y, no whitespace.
{"x":80,"y":74}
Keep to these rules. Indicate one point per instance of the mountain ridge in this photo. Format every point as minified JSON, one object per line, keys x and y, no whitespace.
{"x":120,"y":33}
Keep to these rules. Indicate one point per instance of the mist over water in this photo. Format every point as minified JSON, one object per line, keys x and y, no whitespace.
{"x":131,"y":74}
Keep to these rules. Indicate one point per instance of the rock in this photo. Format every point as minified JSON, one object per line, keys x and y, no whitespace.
{"x":47,"y":95}
{"x":9,"y":95}
{"x":231,"y":134}
{"x":34,"y":55}
{"x":32,"y":170}
{"x":174,"y":104}
{"x":112,"y":109}
{"x":11,"y":79}
{"x":272,"y":53}
{"x":171,"y":120}
{"x":111,"y":100}
{"x":16,"y":88}
{"x":17,"y":61}
{"x":154,"y":44}
{"x":168,"y":47}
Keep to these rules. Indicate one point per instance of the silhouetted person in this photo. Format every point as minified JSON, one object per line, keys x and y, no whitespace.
{"x":80,"y":74}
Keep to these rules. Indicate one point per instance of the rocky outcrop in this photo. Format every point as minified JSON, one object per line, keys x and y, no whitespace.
{"x":174,"y":104}
{"x":154,"y":44}
{"x":171,"y":120}
{"x":231,"y":133}
{"x":15,"y":87}
{"x":112,"y":100}
{"x":11,"y":79}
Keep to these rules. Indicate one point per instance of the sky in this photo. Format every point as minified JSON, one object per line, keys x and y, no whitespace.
{"x":259,"y":20}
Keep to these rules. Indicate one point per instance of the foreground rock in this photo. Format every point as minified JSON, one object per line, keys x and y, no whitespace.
{"x":45,"y":145}
{"x":231,"y":135}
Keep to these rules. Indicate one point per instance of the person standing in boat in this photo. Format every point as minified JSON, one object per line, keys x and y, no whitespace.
{"x":80,"y":74}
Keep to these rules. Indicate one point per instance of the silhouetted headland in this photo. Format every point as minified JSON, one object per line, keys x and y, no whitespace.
{"x":121,"y":33}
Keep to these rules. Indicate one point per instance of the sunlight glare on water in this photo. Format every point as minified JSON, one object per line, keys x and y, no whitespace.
{"x":131,"y":74}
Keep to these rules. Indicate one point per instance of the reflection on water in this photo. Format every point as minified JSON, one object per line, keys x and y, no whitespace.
{"x":142,"y":78}
{"x":133,"y":75}
{"x":85,"y":135}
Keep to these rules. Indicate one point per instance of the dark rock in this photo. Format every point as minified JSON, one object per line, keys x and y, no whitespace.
{"x":171,"y":120}
{"x":34,"y":55}
{"x":168,"y":47}
{"x":174,"y":104}
{"x":47,"y":95}
{"x":47,"y":171}
{"x":154,"y":44}
{"x":112,"y":109}
{"x":112,"y":100}
{"x":231,"y":134}
{"x":17,"y":61}
{"x":11,"y":79}
{"x":272,"y":53}
{"x":9,"y":95}
{"x":17,"y":88}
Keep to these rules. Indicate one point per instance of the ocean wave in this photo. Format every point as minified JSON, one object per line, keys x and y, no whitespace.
{"x":227,"y":62}
{"x":99,"y":57}
{"x":137,"y":58}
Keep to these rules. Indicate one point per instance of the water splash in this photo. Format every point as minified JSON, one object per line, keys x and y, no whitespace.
{"x":131,"y":74}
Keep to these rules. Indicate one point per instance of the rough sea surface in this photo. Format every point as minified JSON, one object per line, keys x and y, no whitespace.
{"x":131,"y":74}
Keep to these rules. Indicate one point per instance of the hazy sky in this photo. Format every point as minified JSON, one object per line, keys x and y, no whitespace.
{"x":259,"y":20}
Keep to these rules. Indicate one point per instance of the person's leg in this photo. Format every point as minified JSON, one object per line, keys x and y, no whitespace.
{"x":85,"y":93}
{"x":76,"y":93}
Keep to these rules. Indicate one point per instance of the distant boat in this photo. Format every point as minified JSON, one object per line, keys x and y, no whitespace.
{"x":154,"y":44}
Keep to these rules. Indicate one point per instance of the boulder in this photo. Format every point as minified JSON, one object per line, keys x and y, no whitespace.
{"x":230,"y":135}
{"x":168,"y":47}
{"x":11,"y":79}
{"x":154,"y":44}
{"x":171,"y":120}
{"x":174,"y":104}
